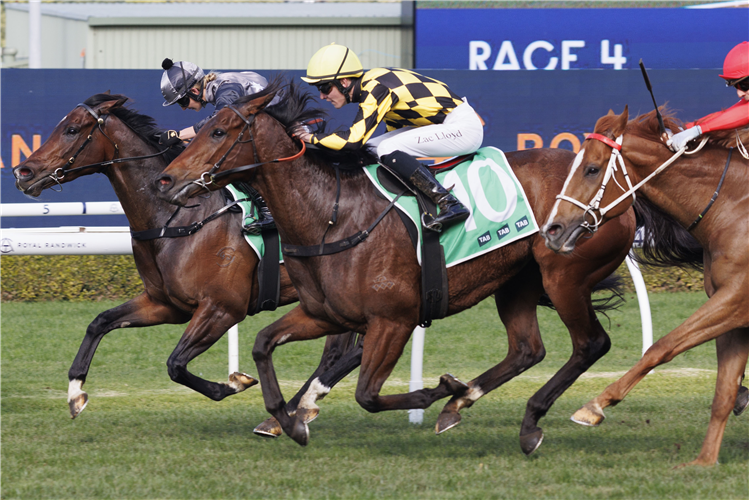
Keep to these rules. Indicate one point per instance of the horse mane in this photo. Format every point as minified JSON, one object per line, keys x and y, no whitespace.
{"x":144,"y":126}
{"x":295,"y":107}
{"x":664,"y":242}
{"x":647,"y":127}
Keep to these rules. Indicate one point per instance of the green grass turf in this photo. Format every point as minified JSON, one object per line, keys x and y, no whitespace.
{"x":142,"y":436}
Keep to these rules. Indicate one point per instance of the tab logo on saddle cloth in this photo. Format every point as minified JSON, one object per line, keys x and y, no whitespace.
{"x":500,"y":212}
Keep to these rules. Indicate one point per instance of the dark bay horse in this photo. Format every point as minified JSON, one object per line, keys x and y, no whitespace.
{"x":682,"y":190}
{"x":208,"y":278}
{"x":339,"y":292}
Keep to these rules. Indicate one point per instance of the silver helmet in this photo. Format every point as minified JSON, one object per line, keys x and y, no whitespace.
{"x":177,"y":79}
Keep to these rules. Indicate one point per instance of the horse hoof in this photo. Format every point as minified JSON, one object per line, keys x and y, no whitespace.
{"x":455,"y":386}
{"x":530,"y":442}
{"x":307,"y":414}
{"x":77,"y":404}
{"x":590,"y":415}
{"x":446,"y":421}
{"x":240,"y":381}
{"x":300,"y":432}
{"x":742,"y":401}
{"x":270,"y":428}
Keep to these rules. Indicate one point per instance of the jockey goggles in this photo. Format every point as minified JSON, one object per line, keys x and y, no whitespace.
{"x":740,"y":84}
{"x":324,"y":87}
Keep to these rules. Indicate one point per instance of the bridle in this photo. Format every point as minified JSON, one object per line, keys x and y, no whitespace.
{"x":210,"y":176}
{"x":60,"y":173}
{"x":593,"y":208}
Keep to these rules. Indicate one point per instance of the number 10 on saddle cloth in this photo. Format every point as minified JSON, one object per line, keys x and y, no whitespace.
{"x":500,"y":212}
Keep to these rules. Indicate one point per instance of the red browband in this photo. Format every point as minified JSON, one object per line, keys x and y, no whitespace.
{"x":605,"y":140}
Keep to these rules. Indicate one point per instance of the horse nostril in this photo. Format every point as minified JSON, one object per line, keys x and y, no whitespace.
{"x":164,"y":182}
{"x":23,"y":173}
{"x":553,"y":229}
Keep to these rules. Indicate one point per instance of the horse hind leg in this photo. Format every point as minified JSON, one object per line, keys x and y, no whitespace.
{"x":516,"y":304}
{"x":341,"y":356}
{"x":140,"y":311}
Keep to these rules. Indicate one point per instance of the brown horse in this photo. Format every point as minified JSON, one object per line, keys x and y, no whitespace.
{"x":208,"y":278}
{"x":339,"y":292}
{"x":683,"y":192}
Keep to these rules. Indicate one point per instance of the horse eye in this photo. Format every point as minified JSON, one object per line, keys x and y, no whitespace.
{"x":218,"y":133}
{"x":72,"y":130}
{"x":591,"y":171}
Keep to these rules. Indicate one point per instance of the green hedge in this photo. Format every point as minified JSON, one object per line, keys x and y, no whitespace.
{"x":35,"y":278}
{"x":114,"y":277}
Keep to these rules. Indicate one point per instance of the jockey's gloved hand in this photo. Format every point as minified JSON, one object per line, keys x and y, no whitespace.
{"x":680,"y":140}
{"x":169,"y":138}
{"x":298,"y":128}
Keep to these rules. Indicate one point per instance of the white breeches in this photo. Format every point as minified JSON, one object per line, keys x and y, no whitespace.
{"x":461,"y":133}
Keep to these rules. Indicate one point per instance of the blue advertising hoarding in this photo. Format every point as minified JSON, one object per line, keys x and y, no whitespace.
{"x":522,"y":109}
{"x":567,"y":39}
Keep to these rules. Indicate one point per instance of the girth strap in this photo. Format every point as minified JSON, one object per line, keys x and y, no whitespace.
{"x":336,"y":246}
{"x":715,"y":194}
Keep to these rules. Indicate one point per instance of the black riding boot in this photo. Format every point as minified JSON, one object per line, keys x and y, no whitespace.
{"x":264,"y":219}
{"x":450,"y":209}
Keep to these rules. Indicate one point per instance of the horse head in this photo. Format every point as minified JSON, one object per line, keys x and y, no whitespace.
{"x":79,"y":138}
{"x":584,"y":203}
{"x":231,"y":133}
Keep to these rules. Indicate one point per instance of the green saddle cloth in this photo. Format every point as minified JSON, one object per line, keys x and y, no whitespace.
{"x":500,"y":212}
{"x":248,"y":217}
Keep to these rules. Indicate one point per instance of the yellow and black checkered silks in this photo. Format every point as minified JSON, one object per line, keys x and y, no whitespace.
{"x":400,"y":97}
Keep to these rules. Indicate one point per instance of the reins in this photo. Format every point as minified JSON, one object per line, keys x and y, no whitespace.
{"x":209,"y":177}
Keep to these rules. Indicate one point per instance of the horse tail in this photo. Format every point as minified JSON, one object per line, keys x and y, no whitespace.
{"x":664,"y":242}
{"x":613,"y":284}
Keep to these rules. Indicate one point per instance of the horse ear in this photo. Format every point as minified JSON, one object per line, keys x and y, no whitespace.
{"x":255,"y":105}
{"x":621,"y":122}
{"x":106,"y":106}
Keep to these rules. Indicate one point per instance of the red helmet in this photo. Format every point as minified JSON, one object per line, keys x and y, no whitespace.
{"x":736,"y":65}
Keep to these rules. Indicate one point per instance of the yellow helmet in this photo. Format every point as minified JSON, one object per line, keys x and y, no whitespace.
{"x":333,"y":62}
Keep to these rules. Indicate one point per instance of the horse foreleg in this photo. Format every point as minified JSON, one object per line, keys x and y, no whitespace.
{"x":341,"y":356}
{"x":516,"y":304}
{"x":208,"y":324}
{"x":294,"y":325}
{"x":137,"y":312}
{"x":724,"y":311}
{"x":732,"y":349}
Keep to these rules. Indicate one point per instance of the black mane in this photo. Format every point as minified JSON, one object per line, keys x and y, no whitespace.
{"x":295,"y":107}
{"x":144,"y":126}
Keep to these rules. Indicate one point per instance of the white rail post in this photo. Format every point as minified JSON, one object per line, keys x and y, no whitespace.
{"x":417,"y":380}
{"x":642,"y":299}
{"x":233,"y":349}
{"x":35,"y":34}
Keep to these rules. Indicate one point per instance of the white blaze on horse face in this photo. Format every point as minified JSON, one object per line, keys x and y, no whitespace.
{"x":575,"y":165}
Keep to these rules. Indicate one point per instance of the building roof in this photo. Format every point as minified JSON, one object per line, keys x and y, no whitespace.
{"x":222,"y":13}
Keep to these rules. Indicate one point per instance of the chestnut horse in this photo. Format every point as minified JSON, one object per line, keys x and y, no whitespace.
{"x":684,"y":192}
{"x":339,"y":292}
{"x":208,"y":278}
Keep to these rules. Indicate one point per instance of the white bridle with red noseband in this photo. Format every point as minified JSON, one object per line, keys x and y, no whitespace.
{"x":593,"y":208}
